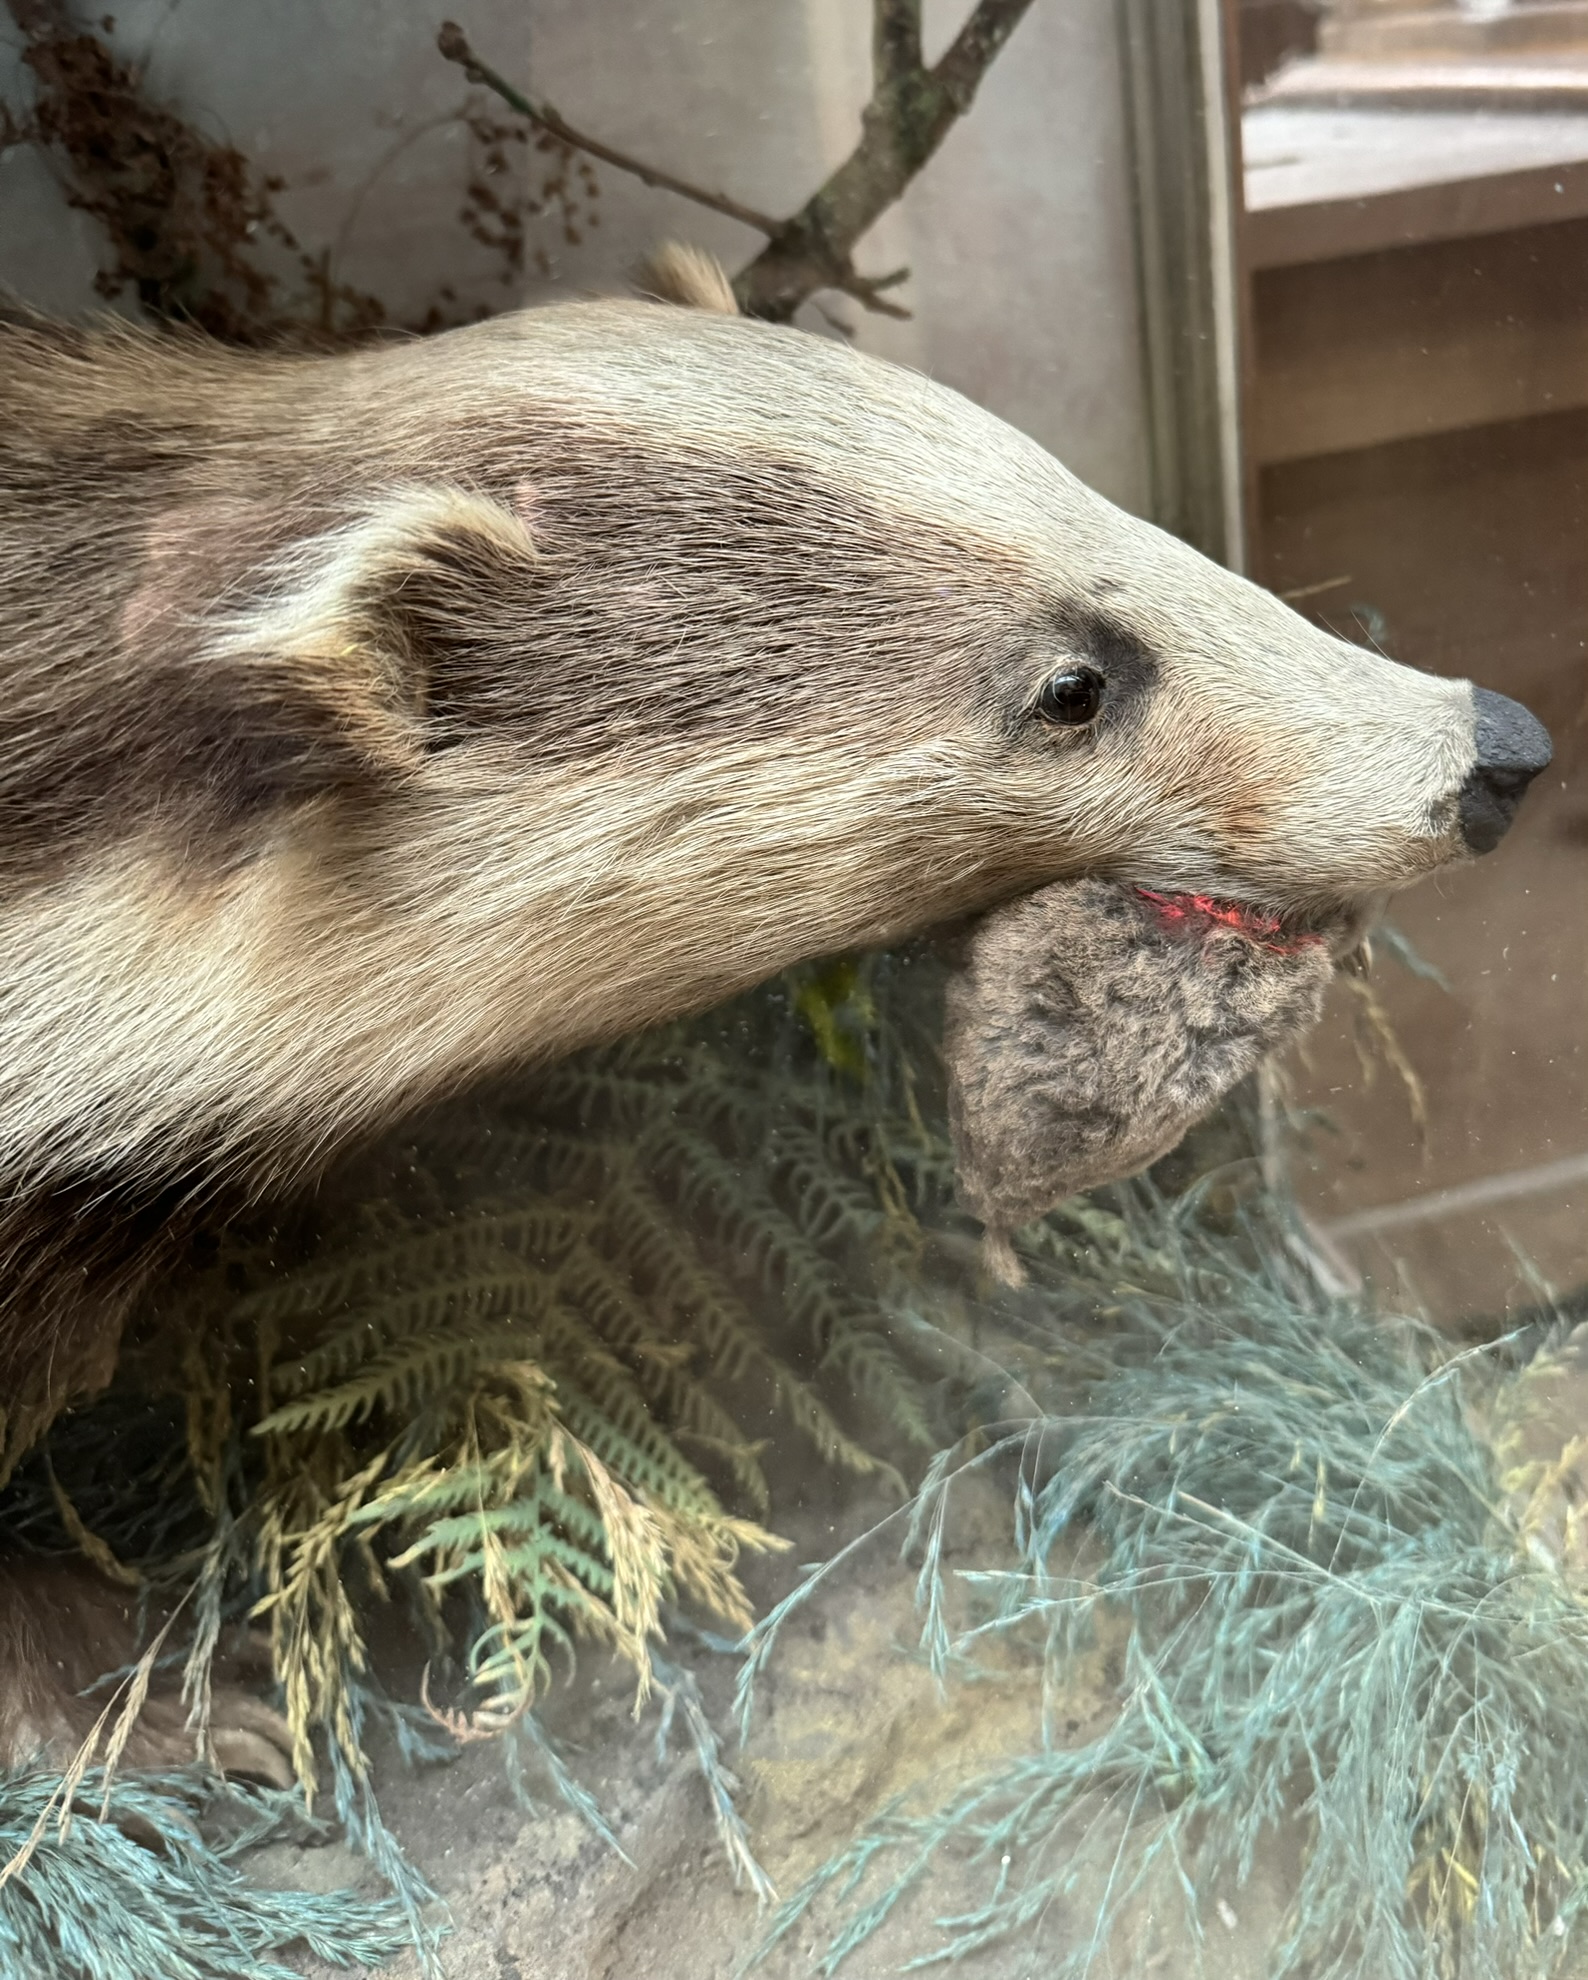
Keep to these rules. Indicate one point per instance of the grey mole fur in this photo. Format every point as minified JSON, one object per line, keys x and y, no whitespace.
{"x":1084,"y":1035}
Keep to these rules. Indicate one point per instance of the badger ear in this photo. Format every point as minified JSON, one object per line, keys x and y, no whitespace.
{"x":334,"y":662}
{"x":677,"y":273}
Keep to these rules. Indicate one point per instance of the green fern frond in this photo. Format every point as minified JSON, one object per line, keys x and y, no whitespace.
{"x":623,"y":1436}
{"x":401,"y":1377}
{"x":408,"y":1266}
{"x":505,"y":1366}
{"x":872,"y":1369}
{"x":685,"y":1287}
{"x":829,"y":1202}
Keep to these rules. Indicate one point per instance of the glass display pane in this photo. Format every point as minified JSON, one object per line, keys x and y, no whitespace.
{"x":795,"y":1149}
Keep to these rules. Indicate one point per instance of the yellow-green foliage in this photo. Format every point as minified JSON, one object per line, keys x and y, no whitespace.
{"x":506,"y":1364}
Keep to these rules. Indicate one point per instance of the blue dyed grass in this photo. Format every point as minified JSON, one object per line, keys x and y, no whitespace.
{"x":145,"y":1892}
{"x":1330,"y":1627}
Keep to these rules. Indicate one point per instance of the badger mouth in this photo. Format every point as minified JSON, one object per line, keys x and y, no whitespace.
{"x":1196,"y":917}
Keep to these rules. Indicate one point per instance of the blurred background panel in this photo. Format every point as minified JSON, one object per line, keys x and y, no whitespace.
{"x":1415,"y":259}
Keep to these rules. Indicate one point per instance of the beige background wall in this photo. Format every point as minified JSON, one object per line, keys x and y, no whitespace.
{"x":1019,"y":234}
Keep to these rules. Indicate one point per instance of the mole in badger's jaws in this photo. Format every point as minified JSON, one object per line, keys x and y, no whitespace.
{"x":1089,"y":1025}
{"x":373,"y":721}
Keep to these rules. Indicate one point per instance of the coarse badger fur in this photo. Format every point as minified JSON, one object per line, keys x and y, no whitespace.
{"x":376,"y":719}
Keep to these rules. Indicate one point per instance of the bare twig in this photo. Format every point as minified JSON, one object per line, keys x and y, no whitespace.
{"x":454,"y":45}
{"x":183,"y":213}
{"x":895,"y":39}
{"x":911,"y":111}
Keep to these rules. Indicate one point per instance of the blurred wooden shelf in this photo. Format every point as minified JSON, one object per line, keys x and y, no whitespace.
{"x":1525,"y":54}
{"x":1321,"y":183}
{"x":1538,"y":83}
{"x":1412,"y":271}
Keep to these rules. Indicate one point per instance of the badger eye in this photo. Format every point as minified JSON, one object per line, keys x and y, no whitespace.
{"x":1071,"y":697}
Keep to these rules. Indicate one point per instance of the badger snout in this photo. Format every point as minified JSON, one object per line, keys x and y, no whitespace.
{"x":1511,"y":746}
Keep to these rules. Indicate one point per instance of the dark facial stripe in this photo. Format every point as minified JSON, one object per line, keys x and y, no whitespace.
{"x":678,"y":593}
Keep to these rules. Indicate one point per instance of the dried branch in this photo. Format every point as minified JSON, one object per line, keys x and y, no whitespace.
{"x":454,"y":45}
{"x":183,"y":213}
{"x":911,"y":111}
{"x":40,"y":16}
{"x":895,"y":39}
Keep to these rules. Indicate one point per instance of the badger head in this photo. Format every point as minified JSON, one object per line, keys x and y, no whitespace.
{"x":920,"y":663}
{"x":373,"y":719}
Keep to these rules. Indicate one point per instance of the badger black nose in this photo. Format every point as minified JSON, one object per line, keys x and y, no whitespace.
{"x":1512,"y":747}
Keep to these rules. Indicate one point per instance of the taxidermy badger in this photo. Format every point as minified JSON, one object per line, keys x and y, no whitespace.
{"x":374,"y":720}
